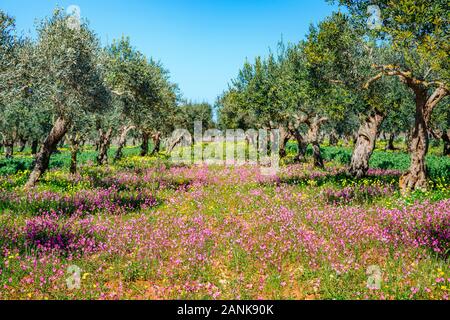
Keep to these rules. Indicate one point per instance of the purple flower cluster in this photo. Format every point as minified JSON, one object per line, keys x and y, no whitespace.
{"x":51,"y":233}
{"x":421,"y":225}
{"x":109,"y":200}
{"x":359,"y":193}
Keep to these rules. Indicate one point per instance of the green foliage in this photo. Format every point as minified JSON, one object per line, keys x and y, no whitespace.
{"x":190,"y":112}
{"x":12,"y":166}
{"x":418,"y":29}
{"x":57,"y":161}
{"x":144,"y":96}
{"x":68,"y":63}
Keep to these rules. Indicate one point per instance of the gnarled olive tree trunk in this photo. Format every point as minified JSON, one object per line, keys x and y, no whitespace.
{"x":284,"y":139}
{"x":144,"y":144}
{"x":365,"y":144}
{"x":22,"y":144}
{"x":8,"y":145}
{"x":313,"y":138}
{"x":156,"y":143}
{"x":301,"y":146}
{"x":34,"y":147}
{"x":103,"y":146}
{"x":176,"y":140}
{"x":122,"y":140}
{"x":74,"y":141}
{"x":43,"y":157}
{"x":416,"y":176}
{"x":390,"y":144}
{"x":333,"y":139}
{"x":446,"y":140}
{"x":317,"y":156}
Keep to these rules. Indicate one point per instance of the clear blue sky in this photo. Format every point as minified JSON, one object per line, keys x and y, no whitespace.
{"x":202,"y":42}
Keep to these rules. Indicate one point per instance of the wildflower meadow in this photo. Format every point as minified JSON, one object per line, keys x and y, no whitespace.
{"x":144,"y":228}
{"x":227,"y":157}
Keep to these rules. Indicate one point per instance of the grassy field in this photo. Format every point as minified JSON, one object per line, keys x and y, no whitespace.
{"x":143,"y":228}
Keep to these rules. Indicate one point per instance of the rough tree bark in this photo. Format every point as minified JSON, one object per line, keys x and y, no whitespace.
{"x":74,"y":141}
{"x":446,"y":139}
{"x":333,"y":139}
{"x":22,"y":144}
{"x":365,"y":144}
{"x":355,"y":137}
{"x":8,"y":145}
{"x":34,"y":147}
{"x":103,"y":146}
{"x":301,"y":146}
{"x":122,"y":140}
{"x":390,"y":144}
{"x":317,"y":156}
{"x":284,"y":139}
{"x":156,"y":143}
{"x":175,"y":142}
{"x":43,"y":157}
{"x":313,"y":138}
{"x":416,"y":176}
{"x":144,"y":144}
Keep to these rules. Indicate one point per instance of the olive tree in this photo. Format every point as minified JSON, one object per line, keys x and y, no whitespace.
{"x":70,"y":80}
{"x":418,"y":32}
{"x":340,"y":53}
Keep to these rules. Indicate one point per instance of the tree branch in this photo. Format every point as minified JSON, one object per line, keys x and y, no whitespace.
{"x":405,"y":76}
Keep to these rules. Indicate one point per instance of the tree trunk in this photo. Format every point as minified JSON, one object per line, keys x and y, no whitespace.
{"x":122,"y":141}
{"x":301,"y":146}
{"x":34,"y":147}
{"x":43,"y":157}
{"x":22,"y":144}
{"x":355,"y":137}
{"x":416,"y":176}
{"x":174,"y":143}
{"x":390,"y":145}
{"x":446,"y":139}
{"x":144,"y":145}
{"x":284,"y":139}
{"x":333,"y":139}
{"x":8,"y":144}
{"x":103,"y":146}
{"x":313,"y":138}
{"x":365,"y":144}
{"x":318,"y":160}
{"x":156,"y":143}
{"x":74,"y":148}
